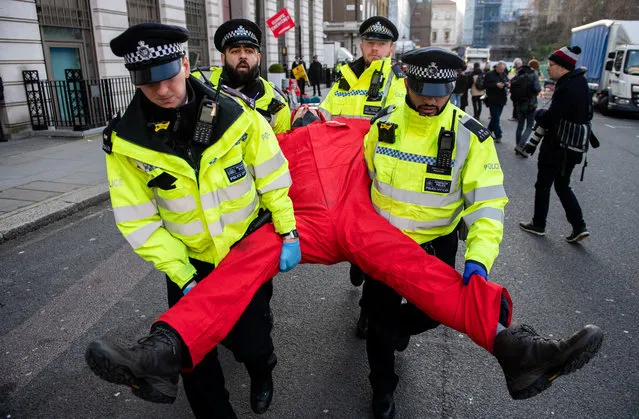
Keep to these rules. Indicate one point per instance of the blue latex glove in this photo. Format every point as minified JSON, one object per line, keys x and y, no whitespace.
{"x":474,"y":268}
{"x":290,"y":256}
{"x":189,"y":287}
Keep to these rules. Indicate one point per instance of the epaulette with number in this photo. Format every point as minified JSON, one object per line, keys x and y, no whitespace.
{"x":107,"y":144}
{"x":478,"y":129}
{"x":387,"y":110}
{"x":236,"y":93}
{"x":397,"y":69}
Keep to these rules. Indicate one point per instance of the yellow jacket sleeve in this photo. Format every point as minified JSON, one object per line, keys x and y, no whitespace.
{"x":137,"y":218}
{"x":370,"y":142}
{"x":485,"y":199}
{"x":270,"y":170}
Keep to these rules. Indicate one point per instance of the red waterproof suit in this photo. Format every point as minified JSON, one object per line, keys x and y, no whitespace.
{"x":336,"y":222}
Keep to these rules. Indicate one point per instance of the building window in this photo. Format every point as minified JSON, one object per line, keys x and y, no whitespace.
{"x":142,"y":11}
{"x":434,"y":36}
{"x":447,"y":36}
{"x":195,"y":12}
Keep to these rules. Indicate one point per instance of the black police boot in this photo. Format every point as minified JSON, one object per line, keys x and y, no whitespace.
{"x":151,"y":367}
{"x":362,"y":324}
{"x":402,"y":343}
{"x":531,"y":363}
{"x":262,"y":384}
{"x":383,"y":406}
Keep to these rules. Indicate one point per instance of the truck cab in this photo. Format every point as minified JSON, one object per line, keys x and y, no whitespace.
{"x":622,"y":67}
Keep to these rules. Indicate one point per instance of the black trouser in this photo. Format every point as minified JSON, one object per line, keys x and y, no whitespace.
{"x":389,"y":319}
{"x":249,"y":340}
{"x":557,"y":171}
{"x":316,"y":85}
{"x":302,"y":84}
{"x":476,"y":107}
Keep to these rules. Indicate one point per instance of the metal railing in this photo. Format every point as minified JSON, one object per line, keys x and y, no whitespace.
{"x":75,"y":102}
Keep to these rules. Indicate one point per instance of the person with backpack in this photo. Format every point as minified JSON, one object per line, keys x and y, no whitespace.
{"x":477,"y":89}
{"x":524,"y":88}
{"x":571,"y":107}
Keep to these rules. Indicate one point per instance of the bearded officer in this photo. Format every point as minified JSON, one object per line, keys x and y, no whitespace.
{"x":433,"y":168}
{"x":189,"y":169}
{"x":239,"y":42}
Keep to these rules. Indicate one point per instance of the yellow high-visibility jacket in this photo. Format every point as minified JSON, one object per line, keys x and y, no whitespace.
{"x":401,"y":150}
{"x":168,"y":211}
{"x":349,"y":95}
{"x":270,"y":102}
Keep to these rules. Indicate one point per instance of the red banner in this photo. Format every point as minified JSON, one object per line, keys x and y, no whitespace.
{"x":280,"y":22}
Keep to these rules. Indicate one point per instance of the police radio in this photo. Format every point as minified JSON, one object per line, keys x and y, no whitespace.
{"x":205,"y":123}
{"x":376,"y":83}
{"x":445,"y":146}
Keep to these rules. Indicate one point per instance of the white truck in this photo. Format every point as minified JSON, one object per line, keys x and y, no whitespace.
{"x":477,"y":55}
{"x":334,"y":53}
{"x":610,"y":53}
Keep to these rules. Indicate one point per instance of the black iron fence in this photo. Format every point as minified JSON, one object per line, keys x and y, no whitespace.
{"x":75,"y":102}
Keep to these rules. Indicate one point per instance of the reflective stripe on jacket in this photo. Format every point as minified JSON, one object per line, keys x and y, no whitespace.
{"x":353,"y":103}
{"x":418,"y":202}
{"x":279,"y":120}
{"x":199,"y":215}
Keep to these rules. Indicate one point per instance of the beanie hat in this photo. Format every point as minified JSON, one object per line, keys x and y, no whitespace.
{"x":566,"y":57}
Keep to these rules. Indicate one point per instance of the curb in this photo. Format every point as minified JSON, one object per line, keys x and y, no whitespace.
{"x":25,"y":220}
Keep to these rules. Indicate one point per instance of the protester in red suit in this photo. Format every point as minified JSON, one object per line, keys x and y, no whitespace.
{"x":336,"y":223}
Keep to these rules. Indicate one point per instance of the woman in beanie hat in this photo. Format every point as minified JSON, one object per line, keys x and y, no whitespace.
{"x":571,"y":102}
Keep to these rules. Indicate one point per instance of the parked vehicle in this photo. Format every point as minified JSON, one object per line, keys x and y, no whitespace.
{"x":610,"y":52}
{"x":334,"y":53}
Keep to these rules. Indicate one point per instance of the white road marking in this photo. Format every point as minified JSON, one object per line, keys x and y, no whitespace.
{"x":610,"y":126}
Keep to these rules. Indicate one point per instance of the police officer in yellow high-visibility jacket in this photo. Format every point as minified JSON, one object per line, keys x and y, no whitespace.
{"x":433,"y":168}
{"x":189,"y":170}
{"x":371,"y":82}
{"x":241,"y":70}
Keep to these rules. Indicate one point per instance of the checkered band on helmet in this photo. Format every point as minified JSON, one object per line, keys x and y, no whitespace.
{"x":240,"y":31}
{"x":430,"y":73}
{"x":147,"y":53}
{"x":377,"y":27}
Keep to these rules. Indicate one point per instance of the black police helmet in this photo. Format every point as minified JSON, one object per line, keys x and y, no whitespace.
{"x":378,"y":28}
{"x":152,"y":51}
{"x":432,"y":71}
{"x":237,"y":31}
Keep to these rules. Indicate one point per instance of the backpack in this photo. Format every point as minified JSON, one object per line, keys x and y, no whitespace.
{"x":480,"y":81}
{"x":520,"y":87}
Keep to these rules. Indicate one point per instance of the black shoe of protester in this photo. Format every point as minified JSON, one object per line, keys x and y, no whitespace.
{"x":577,"y":235}
{"x":531,"y":363}
{"x":150,"y":367}
{"x":357,"y":275}
{"x":383,"y":406}
{"x":532,"y":229}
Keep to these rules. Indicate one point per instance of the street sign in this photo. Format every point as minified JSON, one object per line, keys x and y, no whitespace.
{"x":280,"y":22}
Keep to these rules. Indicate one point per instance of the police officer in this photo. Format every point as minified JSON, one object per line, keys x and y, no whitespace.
{"x":371,"y":82}
{"x":188,"y":170}
{"x":239,"y":42}
{"x":365,"y":86}
{"x":433,"y":168}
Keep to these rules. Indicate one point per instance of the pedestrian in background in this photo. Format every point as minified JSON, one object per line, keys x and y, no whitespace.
{"x":517,"y":64}
{"x":315,"y":74}
{"x":477,"y":89}
{"x":571,"y":106}
{"x":524,"y":88}
{"x":496,"y":97}
{"x":301,"y":82}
